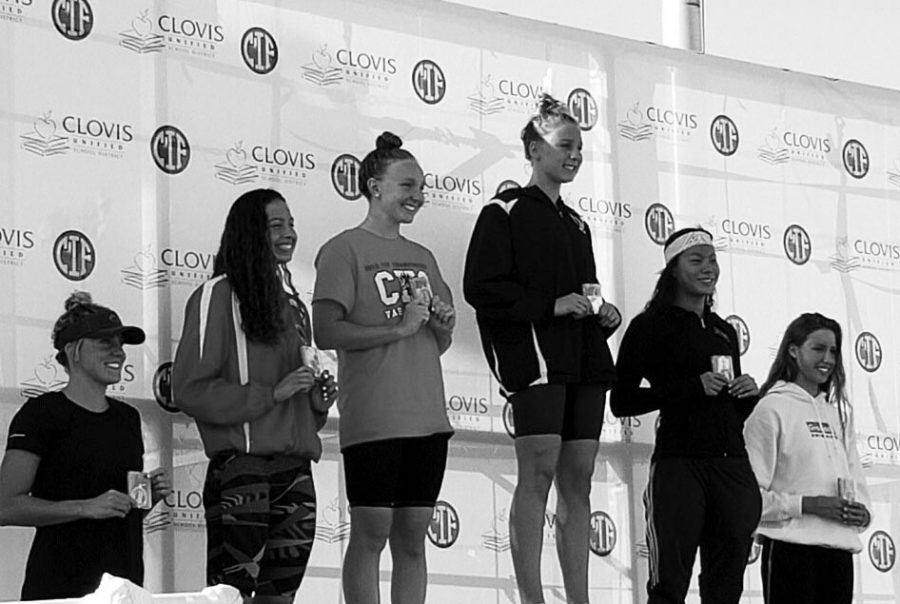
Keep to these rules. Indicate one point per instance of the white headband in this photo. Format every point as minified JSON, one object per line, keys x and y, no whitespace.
{"x":683,"y":242}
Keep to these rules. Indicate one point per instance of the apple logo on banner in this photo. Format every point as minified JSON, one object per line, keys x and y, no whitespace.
{"x":724,"y":135}
{"x":345,"y":176}
{"x":429,"y":82}
{"x":583,"y":108}
{"x":868,"y":352}
{"x":259,"y":50}
{"x":603,"y":534}
{"x":443,"y":530}
{"x":74,"y":19}
{"x":797,"y":244}
{"x":74,"y":255}
{"x":43,"y":140}
{"x":170,"y":149}
{"x":856,"y":158}
{"x":659,"y":223}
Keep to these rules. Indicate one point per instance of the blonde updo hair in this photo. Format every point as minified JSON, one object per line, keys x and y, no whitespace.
{"x":551,"y":113}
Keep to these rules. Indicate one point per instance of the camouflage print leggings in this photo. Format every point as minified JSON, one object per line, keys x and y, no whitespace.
{"x":260,"y":522}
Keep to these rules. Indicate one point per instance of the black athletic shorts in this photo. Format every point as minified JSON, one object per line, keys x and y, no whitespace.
{"x":572,"y":411}
{"x":396,"y":472}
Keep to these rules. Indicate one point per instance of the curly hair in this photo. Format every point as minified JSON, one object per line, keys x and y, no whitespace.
{"x":387,"y":150}
{"x":77,"y":306}
{"x":246,"y":257}
{"x":784,"y":367}
{"x":667,"y":285}
{"x":551,"y":113}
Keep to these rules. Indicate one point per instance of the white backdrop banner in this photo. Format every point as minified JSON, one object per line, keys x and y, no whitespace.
{"x":127,"y":129}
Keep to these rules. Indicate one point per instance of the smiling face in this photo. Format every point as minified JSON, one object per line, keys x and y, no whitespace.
{"x":815,"y":359}
{"x":558,"y":156}
{"x":100,"y":360}
{"x":280,"y":230}
{"x":399,"y":194}
{"x":697,"y":272}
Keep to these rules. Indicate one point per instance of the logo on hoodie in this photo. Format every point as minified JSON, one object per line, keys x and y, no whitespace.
{"x":882,"y":551}
{"x":443,"y":531}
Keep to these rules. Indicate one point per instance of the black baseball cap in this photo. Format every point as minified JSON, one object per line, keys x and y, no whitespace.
{"x":100,"y":325}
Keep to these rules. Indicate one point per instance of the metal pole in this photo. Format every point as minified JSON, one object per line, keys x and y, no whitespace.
{"x":682,"y":24}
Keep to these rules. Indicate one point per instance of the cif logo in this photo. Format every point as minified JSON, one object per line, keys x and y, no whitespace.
{"x":73,"y":18}
{"x":882,"y":552}
{"x":724,"y":135}
{"x":742,"y":331}
{"x":443,"y":530}
{"x":659,"y":223}
{"x":583,"y":108}
{"x":602,"y":538}
{"x":506,"y":185}
{"x":856,"y":158}
{"x":797,"y":244}
{"x":345,"y":176}
{"x":508,"y":421}
{"x":868,"y":352}
{"x":74,"y":255}
{"x":162,"y":387}
{"x":170,"y":149}
{"x":428,"y":81}
{"x":259,"y":50}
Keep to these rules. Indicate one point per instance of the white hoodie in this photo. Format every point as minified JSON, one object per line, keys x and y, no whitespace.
{"x":795,"y":448}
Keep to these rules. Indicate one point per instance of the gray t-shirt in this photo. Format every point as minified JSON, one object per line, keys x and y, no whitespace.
{"x":394,"y":390}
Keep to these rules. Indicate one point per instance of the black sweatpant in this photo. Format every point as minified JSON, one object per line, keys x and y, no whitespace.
{"x":713,"y":504}
{"x":806,"y":574}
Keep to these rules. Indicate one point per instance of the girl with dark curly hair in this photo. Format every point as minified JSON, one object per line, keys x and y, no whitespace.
{"x":239,"y":371}
{"x":68,"y":459}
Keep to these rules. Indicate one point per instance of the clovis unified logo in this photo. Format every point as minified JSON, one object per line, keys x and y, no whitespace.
{"x":782,"y":146}
{"x":852,"y":253}
{"x":74,"y":19}
{"x":175,"y":266}
{"x":657,"y":122}
{"x":273,"y":164}
{"x":365,"y":68}
{"x":454,"y":192}
{"x":178,"y":34}
{"x":15,"y":244}
{"x":14,"y":11}
{"x":86,"y":135}
{"x":505,"y":94}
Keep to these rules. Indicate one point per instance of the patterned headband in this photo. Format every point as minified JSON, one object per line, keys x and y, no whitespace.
{"x":683,"y":242}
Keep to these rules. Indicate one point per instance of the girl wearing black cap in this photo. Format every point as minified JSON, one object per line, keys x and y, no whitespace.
{"x":681,"y":358}
{"x":67,"y":460}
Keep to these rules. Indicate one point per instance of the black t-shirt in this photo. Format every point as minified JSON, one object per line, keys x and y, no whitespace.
{"x":83,"y":454}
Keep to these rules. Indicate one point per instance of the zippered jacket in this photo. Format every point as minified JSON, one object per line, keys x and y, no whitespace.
{"x":525,"y":252}
{"x":663,"y":353}
{"x":226,"y":381}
